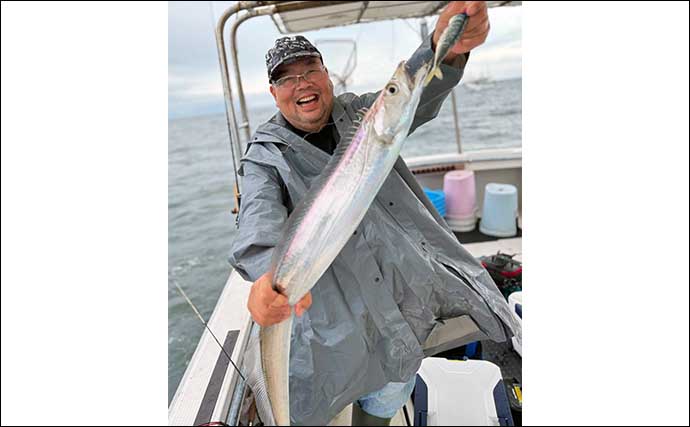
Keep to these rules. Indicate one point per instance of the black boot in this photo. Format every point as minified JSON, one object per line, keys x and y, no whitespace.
{"x":361,"y":418}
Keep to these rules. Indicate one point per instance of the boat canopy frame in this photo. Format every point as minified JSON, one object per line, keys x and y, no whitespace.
{"x":298,"y":16}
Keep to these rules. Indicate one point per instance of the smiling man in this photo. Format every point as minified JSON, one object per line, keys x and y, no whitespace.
{"x":306,"y":106}
{"x":362,"y":338}
{"x":302,"y":90}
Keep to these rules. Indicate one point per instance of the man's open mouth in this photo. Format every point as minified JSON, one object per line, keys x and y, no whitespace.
{"x":306,"y":100}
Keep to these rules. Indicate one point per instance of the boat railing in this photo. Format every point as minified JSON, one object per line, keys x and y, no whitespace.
{"x":238,"y":124}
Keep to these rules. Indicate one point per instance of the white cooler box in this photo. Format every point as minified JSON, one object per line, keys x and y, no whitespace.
{"x":515,"y":303}
{"x":460,"y":393}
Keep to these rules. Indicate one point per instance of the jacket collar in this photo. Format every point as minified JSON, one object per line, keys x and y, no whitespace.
{"x":277,"y":131}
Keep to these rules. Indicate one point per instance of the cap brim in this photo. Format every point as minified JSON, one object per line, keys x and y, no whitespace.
{"x":292,"y":58}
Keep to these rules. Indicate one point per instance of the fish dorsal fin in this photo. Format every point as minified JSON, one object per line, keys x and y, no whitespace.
{"x":361,"y":113}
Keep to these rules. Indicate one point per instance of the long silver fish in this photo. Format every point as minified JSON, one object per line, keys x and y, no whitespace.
{"x":325,"y":219}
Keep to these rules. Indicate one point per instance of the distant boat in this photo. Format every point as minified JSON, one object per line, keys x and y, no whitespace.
{"x":475,"y":82}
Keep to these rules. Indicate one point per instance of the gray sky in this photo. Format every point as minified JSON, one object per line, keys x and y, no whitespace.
{"x":194,"y":82}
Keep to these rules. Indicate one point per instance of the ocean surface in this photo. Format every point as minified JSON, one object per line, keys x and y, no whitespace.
{"x":200,"y":199}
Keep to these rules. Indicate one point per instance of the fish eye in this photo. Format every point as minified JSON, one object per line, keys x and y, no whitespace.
{"x":392,"y":89}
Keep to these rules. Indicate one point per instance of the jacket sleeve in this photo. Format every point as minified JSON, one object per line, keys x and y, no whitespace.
{"x":434,"y":94}
{"x":438,"y":90}
{"x":261,"y":219}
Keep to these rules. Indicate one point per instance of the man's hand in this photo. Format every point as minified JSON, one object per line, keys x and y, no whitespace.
{"x":475,"y":32}
{"x":268,"y":307}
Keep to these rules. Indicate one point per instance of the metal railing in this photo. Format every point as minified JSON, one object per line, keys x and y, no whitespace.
{"x":239,"y":127}
{"x":240,"y":130}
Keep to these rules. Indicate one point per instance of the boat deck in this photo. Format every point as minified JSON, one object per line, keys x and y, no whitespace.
{"x":205,"y":392}
{"x":475,"y":236}
{"x":479,"y":244}
{"x":501,"y":354}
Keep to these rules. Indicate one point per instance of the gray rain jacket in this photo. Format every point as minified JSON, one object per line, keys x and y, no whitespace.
{"x":400,"y":276}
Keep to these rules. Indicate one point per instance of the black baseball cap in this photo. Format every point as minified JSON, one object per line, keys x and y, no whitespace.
{"x":287,"y":50}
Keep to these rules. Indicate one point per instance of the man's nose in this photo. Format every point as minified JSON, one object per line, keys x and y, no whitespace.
{"x":301,"y":81}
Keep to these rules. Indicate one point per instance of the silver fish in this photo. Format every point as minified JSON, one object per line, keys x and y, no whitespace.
{"x":325,"y":219}
{"x":448,"y":38}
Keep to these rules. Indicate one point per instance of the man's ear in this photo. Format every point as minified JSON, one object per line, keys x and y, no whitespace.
{"x":273,"y":92}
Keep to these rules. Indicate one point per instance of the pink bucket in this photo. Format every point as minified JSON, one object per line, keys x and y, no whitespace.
{"x":461,"y":201}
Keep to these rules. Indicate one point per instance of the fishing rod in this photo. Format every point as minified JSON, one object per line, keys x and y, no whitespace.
{"x":191,"y":304}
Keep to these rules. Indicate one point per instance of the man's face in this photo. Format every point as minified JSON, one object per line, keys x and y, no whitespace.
{"x":308,"y":116}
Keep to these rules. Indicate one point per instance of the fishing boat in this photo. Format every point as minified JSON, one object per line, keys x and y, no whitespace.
{"x":477,"y":81}
{"x":213,"y":392}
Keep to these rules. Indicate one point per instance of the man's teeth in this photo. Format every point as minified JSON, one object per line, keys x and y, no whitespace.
{"x":306,"y":99}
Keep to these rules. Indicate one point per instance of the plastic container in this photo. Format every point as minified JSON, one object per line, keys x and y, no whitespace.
{"x":515,"y":304}
{"x":499,"y":212}
{"x":461,"y":200}
{"x":460,"y":393}
{"x":438,"y":199}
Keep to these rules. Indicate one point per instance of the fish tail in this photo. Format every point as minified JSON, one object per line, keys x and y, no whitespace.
{"x":275,"y":361}
{"x":436,"y":72}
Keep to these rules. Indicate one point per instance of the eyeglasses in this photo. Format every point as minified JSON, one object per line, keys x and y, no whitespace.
{"x":311,"y":76}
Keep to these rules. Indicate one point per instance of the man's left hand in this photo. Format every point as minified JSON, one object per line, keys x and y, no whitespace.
{"x":475,"y":32}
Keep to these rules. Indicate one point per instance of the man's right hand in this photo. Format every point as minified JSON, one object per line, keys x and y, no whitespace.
{"x":268,"y":307}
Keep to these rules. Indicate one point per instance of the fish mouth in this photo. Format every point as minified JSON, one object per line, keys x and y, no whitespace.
{"x":409,"y":78}
{"x":418,"y":65}
{"x":416,"y":76}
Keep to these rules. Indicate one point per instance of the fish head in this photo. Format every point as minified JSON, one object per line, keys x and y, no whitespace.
{"x":394,"y":109}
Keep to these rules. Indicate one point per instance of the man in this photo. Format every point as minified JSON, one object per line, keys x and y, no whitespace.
{"x":379,"y":300}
